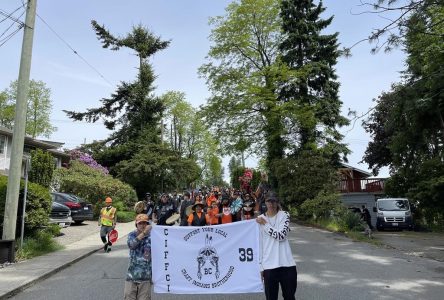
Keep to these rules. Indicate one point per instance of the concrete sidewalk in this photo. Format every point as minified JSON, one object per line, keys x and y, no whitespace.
{"x":19,"y":276}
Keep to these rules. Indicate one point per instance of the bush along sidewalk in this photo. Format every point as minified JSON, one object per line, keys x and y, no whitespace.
{"x":39,"y":242}
{"x":326,"y":211}
{"x":125,"y":216}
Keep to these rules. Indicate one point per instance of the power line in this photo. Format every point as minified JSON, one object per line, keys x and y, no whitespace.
{"x":12,"y":24}
{"x":9,"y":36}
{"x":74,"y":51}
{"x":9,"y":16}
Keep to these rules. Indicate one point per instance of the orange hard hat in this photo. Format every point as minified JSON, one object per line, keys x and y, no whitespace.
{"x":108,"y":200}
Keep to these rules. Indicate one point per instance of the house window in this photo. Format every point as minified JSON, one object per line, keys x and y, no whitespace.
{"x":2,"y":144}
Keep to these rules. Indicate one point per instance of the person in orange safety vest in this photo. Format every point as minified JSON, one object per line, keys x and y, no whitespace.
{"x":107,"y":221}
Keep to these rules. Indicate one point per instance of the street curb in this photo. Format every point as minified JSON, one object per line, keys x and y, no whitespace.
{"x":47,"y":275}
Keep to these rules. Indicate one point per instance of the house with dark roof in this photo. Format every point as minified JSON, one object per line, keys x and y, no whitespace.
{"x":60,"y":157}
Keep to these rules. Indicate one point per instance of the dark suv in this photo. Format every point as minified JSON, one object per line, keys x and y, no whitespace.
{"x":80,"y":209}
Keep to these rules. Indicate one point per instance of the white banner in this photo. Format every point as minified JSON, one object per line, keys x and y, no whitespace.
{"x":206,"y":260}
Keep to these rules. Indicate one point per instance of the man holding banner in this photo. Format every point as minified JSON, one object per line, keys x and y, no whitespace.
{"x":277,"y":262}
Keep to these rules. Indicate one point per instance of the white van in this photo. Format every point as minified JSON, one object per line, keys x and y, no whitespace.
{"x":393,"y":213}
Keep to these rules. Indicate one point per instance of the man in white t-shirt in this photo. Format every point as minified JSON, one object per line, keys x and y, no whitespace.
{"x":277,"y":263}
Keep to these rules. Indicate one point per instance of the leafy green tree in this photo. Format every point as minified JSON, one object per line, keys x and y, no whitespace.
{"x":305,"y":176}
{"x":157,"y":168}
{"x":241,"y":74}
{"x":42,"y":167}
{"x":407,"y":123}
{"x":237,"y":172}
{"x":273,"y":84}
{"x":38,"y":112}
{"x":311,"y":87}
{"x":214,"y":173}
{"x":393,"y":32}
{"x":6,"y":110}
{"x":180,"y":114}
{"x":233,"y":165}
{"x":190,"y":137}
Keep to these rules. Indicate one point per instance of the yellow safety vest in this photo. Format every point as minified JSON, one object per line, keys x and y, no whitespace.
{"x":107,"y":216}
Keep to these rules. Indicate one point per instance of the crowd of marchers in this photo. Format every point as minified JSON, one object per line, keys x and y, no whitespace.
{"x":204,"y":206}
{"x":208,"y":207}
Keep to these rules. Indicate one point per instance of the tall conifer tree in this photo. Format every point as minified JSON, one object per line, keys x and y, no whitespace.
{"x":313,"y":90}
{"x":132,"y":108}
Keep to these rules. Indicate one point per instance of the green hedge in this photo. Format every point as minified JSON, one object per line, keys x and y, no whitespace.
{"x":323,"y":206}
{"x":126,"y":216}
{"x":94,"y":186}
{"x":38,"y":206}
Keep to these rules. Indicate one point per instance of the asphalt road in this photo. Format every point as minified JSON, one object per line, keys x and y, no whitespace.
{"x":330,"y":267}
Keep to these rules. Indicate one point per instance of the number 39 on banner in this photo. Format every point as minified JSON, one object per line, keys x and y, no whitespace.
{"x":245,"y":255}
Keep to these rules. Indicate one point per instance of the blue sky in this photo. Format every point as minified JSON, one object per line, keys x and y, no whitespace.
{"x":75,"y":86}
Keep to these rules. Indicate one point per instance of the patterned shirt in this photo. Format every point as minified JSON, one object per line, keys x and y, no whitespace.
{"x":139,"y":267}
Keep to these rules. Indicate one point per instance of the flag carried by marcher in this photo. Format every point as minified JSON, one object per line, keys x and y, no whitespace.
{"x":206,"y":260}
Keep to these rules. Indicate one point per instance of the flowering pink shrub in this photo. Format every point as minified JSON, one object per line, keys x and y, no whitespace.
{"x":87,"y":160}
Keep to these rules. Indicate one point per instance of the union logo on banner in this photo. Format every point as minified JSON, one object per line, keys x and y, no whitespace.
{"x":206,"y":260}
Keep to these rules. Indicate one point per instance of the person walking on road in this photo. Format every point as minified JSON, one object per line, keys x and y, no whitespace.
{"x":366,"y":217}
{"x":108,"y":220}
{"x":276,"y":260}
{"x":138,"y":278}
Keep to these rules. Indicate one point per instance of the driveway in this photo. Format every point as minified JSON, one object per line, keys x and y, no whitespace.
{"x":76,"y":232}
{"x":420,"y":244}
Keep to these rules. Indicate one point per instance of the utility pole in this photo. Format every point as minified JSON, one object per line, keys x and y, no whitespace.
{"x":18,"y":137}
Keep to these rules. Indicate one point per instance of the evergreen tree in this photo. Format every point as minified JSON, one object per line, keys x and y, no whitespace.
{"x":132,"y":107}
{"x":312,"y":88}
{"x":134,"y":151}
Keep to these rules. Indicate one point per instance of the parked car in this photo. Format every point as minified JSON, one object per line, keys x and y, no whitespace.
{"x":393,"y":213}
{"x":60,"y":214}
{"x":80,"y":209}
